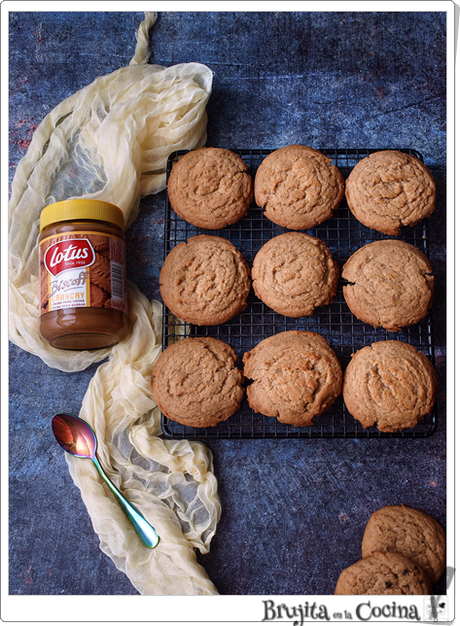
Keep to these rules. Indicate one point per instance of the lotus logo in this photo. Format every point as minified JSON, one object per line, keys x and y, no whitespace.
{"x":68,"y":254}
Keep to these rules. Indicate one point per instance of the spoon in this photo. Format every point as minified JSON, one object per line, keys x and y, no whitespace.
{"x":78,"y":438}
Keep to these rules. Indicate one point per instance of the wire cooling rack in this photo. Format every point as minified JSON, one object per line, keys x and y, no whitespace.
{"x":345,"y":333}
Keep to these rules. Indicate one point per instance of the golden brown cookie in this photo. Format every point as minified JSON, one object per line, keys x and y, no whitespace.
{"x":294,"y":273}
{"x":409,"y":532}
{"x":100,"y":243}
{"x":390,"y":384}
{"x":205,"y":281}
{"x":298,"y":187}
{"x":98,"y":296}
{"x":100,"y":272}
{"x":295,"y":376}
{"x":390,"y":189}
{"x":390,"y":284}
{"x":383,"y":574}
{"x":210,"y":188}
{"x":195,"y":382}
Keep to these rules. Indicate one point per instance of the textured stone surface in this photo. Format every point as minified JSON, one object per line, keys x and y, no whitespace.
{"x":294,"y":512}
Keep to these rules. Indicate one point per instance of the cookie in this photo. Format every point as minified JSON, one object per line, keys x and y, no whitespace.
{"x":298,"y":187}
{"x":100,"y":272}
{"x":210,"y":188}
{"x":294,"y":273}
{"x":390,"y":284}
{"x":100,"y":243}
{"x":195,"y":382}
{"x":98,"y":296}
{"x":409,"y":532}
{"x":295,"y":376}
{"x":383,"y":574}
{"x":390,"y":189}
{"x":390,"y":384}
{"x":205,"y":281}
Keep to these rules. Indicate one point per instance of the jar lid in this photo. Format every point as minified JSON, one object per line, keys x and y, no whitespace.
{"x":81,"y":209}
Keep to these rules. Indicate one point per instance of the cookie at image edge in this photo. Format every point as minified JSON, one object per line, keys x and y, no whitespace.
{"x":205,"y":281}
{"x":195,"y":382}
{"x":298,"y":187}
{"x":390,"y":384}
{"x":383,"y":574}
{"x":410,"y":532}
{"x":210,"y":188}
{"x":294,"y":273}
{"x":389,"y":284}
{"x":294,"y":376}
{"x":390,"y":189}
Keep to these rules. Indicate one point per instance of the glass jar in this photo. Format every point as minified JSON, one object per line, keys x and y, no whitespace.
{"x":82,"y":273}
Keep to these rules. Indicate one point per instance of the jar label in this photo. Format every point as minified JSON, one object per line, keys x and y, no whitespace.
{"x":82,"y":269}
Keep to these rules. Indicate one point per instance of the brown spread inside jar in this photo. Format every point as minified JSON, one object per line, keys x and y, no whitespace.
{"x":83,"y":298}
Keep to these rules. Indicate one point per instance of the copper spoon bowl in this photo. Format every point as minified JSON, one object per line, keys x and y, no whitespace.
{"x":78,"y":438}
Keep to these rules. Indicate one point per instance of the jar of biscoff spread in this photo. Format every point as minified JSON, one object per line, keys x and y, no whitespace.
{"x":82,"y":274}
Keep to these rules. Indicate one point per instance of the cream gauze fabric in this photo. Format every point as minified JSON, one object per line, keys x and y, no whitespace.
{"x":110,"y":141}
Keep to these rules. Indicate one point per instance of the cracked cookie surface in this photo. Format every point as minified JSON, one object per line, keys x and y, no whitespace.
{"x":409,"y":532}
{"x":210,"y":188}
{"x":205,"y":281}
{"x":390,"y":189}
{"x":298,"y":187}
{"x":390,"y":284}
{"x":294,"y":273}
{"x":390,"y":384}
{"x":383,"y":574}
{"x":295,"y":376}
{"x":195,"y":381}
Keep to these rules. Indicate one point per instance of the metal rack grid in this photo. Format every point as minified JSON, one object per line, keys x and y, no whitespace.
{"x":345,"y":333}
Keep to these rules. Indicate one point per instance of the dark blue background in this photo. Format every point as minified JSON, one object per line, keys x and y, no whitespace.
{"x":293,"y":511}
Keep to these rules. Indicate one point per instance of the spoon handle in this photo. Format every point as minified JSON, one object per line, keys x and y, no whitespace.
{"x":145,"y":531}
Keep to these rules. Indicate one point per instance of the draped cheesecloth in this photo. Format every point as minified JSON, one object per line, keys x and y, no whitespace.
{"x":110,"y":141}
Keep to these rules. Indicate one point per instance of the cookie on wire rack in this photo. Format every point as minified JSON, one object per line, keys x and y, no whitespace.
{"x":390,"y":189}
{"x":294,"y":376}
{"x":389,"y":284}
{"x":195,"y":382}
{"x":389,"y":384}
{"x":210,"y":188}
{"x":205,"y":281}
{"x":294,"y":273}
{"x":298,"y":187}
